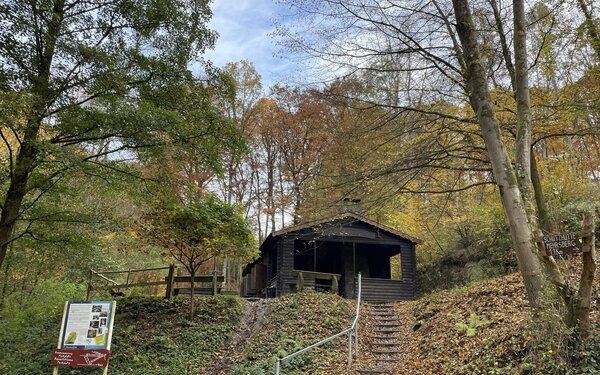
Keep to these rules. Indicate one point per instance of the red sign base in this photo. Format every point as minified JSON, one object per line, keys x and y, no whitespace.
{"x":80,"y":357}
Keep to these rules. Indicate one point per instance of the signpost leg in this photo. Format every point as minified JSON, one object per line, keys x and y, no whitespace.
{"x":110,"y":332}
{"x":60,"y":336}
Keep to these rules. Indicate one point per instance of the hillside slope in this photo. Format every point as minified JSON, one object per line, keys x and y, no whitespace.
{"x":480,"y":329}
{"x":228,"y":335}
{"x":152,"y":336}
{"x":483,"y":329}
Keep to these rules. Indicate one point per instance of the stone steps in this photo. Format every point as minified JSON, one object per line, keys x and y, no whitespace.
{"x":385,"y":351}
{"x":384,"y":331}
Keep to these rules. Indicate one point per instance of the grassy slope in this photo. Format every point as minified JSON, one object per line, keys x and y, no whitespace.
{"x":152,"y":336}
{"x":295,"y":321}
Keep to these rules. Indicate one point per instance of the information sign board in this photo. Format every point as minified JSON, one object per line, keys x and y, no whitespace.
{"x":87,"y":325}
{"x":85,"y":335}
{"x":562,"y":244}
{"x":80,"y":358}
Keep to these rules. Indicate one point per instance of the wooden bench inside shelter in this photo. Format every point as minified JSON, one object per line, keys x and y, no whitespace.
{"x":316,"y":280}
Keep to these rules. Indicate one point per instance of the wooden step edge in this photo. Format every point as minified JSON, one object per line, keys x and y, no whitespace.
{"x":374,"y":371}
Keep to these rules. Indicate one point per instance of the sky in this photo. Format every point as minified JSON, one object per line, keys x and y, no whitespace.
{"x":244,"y":28}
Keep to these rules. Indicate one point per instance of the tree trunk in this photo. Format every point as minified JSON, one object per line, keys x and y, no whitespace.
{"x":514,"y":209}
{"x":584,"y":295}
{"x":521,"y":88}
{"x":17,"y":188}
{"x":192,"y":276}
{"x":3,"y":293}
{"x":540,"y":202}
{"x":26,"y":159}
{"x":503,"y":43}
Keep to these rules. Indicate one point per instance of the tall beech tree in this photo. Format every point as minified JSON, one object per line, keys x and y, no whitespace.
{"x":93,"y":78}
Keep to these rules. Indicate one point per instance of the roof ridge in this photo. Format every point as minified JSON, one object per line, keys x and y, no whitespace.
{"x":342,"y":216}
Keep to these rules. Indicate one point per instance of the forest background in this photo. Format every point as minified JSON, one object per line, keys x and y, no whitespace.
{"x":114,"y":138}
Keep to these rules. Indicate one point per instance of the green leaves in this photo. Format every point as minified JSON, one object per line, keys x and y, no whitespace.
{"x":200,"y":230}
{"x":470,"y":327}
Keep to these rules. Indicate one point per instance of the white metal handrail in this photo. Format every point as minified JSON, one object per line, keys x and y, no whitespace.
{"x":353,"y":330}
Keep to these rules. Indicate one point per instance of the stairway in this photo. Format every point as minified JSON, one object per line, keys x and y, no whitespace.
{"x":385,"y":339}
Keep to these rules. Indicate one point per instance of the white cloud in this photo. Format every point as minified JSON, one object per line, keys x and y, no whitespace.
{"x":244,"y":27}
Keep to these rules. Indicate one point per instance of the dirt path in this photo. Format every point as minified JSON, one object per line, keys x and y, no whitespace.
{"x":252,"y":319}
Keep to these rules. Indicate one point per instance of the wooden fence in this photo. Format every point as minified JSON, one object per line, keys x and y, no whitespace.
{"x":105,"y":280}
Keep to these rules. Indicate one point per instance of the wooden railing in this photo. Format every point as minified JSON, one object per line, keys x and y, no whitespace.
{"x":108,"y":283}
{"x":114,"y":281}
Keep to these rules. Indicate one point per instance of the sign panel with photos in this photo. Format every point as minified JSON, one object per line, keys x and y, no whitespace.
{"x":87,"y":325}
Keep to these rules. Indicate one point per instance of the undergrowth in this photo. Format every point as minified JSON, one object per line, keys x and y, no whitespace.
{"x":152,"y":336}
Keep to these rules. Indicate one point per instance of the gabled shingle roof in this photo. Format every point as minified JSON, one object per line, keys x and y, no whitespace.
{"x":344,"y":216}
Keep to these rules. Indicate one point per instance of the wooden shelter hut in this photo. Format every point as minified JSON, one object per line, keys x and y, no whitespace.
{"x":329,"y":254}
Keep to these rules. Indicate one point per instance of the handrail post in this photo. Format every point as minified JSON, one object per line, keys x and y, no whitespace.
{"x":349,"y":350}
{"x":278,"y":366}
{"x":356,"y":340}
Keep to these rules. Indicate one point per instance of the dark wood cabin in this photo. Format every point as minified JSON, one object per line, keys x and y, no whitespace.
{"x":329,"y":254}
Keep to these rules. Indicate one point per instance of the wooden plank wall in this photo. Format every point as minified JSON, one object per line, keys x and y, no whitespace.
{"x":409,"y":265}
{"x":383,"y":290}
{"x":286,"y":265}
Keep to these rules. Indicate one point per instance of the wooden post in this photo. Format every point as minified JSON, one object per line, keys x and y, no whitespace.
{"x":89,"y":286}
{"x":214,"y":282}
{"x":334,"y":284}
{"x":170,"y":280}
{"x":300,"y":285}
{"x":315,"y":256}
{"x":128,"y":277}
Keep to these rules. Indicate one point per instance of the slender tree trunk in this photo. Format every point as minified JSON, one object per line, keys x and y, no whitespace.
{"x":521,"y":88}
{"x":540,"y":202}
{"x":584,"y":294}
{"x":5,"y":282}
{"x":504,"y":174}
{"x":503,"y":43}
{"x":192,"y":289}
